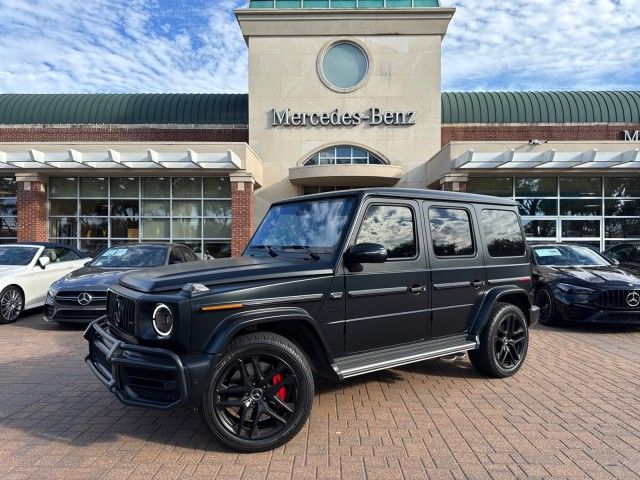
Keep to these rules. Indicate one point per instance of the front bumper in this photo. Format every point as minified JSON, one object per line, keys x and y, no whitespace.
{"x":71,"y":312}
{"x":587,"y":313}
{"x":144,"y":376}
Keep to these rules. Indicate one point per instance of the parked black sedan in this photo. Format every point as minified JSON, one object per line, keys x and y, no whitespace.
{"x":627,"y":255}
{"x":575,"y":283}
{"x":81,"y":296}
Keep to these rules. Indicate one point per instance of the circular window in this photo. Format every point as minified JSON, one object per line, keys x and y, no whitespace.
{"x":344,"y":66}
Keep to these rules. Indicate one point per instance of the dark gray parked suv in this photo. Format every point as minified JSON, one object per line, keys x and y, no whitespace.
{"x":339,"y":284}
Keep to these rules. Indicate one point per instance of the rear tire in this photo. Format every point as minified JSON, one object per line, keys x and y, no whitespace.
{"x":260,"y":393}
{"x":11,"y":304}
{"x":504,"y":342}
{"x":548,"y":311}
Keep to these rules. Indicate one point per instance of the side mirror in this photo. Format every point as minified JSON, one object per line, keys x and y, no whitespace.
{"x":44,"y":261}
{"x":367,"y":253}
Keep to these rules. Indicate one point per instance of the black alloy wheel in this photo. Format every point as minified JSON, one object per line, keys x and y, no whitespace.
{"x":11,"y":304}
{"x":544,"y":300}
{"x":260,"y":394}
{"x":504,"y":342}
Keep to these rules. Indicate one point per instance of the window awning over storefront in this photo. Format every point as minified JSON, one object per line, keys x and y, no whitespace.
{"x":461,"y":157}
{"x":209,"y":157}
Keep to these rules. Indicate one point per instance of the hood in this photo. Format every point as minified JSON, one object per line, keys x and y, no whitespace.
{"x":92,"y":278}
{"x":601,"y":277}
{"x":6,"y":270}
{"x":224,"y":271}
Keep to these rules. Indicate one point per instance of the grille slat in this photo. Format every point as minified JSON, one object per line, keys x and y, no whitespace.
{"x":616,"y":300}
{"x":121,"y":312}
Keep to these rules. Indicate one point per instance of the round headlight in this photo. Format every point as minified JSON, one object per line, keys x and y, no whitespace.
{"x":162,"y":320}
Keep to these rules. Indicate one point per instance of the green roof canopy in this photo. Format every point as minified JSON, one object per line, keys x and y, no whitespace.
{"x":541,"y":107}
{"x":326,"y":4}
{"x":174,"y":108}
{"x":230,"y":109}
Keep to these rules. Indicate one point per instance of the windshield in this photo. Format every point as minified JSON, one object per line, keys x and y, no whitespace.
{"x":132,"y":256}
{"x":318,"y":225}
{"x":567,"y":256}
{"x":17,"y":255}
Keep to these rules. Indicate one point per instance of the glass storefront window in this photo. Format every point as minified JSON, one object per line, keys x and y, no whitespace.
{"x":98,"y":212}
{"x":590,"y":207}
{"x":8,"y":209}
{"x":580,"y":187}
{"x":494,"y":186}
{"x":621,"y":187}
{"x":125,"y":187}
{"x":535,"y":207}
{"x":622,"y":228}
{"x":536,"y":187}
{"x":540,"y":228}
{"x":622,"y":208}
{"x":580,"y":228}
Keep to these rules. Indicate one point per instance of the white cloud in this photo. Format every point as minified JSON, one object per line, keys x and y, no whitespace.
{"x":196,"y":45}
{"x":542,"y":45}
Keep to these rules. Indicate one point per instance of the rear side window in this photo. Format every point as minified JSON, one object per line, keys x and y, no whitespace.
{"x":503,"y":233}
{"x":451,"y":232}
{"x":391,"y":226}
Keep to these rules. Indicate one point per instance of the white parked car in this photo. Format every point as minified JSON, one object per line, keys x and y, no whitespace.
{"x":26,"y":272}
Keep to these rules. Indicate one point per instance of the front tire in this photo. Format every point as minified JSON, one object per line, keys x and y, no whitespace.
{"x":548,"y":312}
{"x":504,"y":342}
{"x":11,"y":304}
{"x":260,"y":393}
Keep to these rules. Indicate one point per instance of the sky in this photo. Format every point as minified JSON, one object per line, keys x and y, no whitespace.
{"x":87,"y":46}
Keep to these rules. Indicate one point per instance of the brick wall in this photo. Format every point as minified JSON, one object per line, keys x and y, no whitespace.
{"x":557,"y":133}
{"x":32,"y":212}
{"x":88,"y":133}
{"x":242,"y":207}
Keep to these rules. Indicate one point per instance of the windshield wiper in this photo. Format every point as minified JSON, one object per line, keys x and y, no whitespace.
{"x":307,"y":249}
{"x":268,"y":248}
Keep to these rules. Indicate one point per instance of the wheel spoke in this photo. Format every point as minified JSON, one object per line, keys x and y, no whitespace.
{"x":256,"y":419}
{"x":243,"y":418}
{"x":229,"y":403}
{"x":285,"y":381}
{"x":273,"y":414}
{"x":243,"y":373}
{"x":231,"y":390}
{"x":279,"y":402}
{"x":256,"y":367}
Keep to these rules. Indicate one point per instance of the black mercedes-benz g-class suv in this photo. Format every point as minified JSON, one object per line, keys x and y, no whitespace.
{"x":340,"y":284}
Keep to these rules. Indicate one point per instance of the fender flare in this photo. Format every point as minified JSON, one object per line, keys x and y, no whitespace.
{"x":491,"y":297}
{"x":231,"y":325}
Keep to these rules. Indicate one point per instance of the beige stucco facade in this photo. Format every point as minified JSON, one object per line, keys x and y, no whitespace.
{"x":404,"y":51}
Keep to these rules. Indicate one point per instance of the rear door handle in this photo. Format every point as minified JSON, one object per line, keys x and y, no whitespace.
{"x":418,"y":289}
{"x":477,"y":284}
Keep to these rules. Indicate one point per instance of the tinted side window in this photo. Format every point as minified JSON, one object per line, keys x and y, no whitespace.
{"x":503,"y":234}
{"x":451,"y":232}
{"x":175,"y":256}
{"x":66,"y":254}
{"x":393,"y":227}
{"x":188,"y":255}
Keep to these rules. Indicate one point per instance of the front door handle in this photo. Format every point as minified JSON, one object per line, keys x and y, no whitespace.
{"x":418,"y":289}
{"x":477,"y":283}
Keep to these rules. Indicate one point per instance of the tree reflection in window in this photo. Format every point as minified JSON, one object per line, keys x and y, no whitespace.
{"x":451,"y":232}
{"x":344,"y":155}
{"x":503,"y":233}
{"x":391,"y":226}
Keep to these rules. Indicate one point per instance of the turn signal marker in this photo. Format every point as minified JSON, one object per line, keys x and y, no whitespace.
{"x":228,"y":306}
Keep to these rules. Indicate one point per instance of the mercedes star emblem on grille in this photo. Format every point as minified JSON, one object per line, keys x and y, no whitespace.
{"x":633,"y":299}
{"x":84,"y":298}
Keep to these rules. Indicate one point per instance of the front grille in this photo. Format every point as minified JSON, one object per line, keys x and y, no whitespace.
{"x":71,"y":298}
{"x":619,"y":300}
{"x":121,"y":312}
{"x":77,"y":314}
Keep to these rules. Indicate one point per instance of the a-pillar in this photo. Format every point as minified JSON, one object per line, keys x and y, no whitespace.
{"x":32,"y":221}
{"x":242,"y":206}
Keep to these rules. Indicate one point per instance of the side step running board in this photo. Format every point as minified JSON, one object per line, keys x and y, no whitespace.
{"x":367,"y":362}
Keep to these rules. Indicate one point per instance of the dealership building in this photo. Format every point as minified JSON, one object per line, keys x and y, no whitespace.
{"x":341,"y":94}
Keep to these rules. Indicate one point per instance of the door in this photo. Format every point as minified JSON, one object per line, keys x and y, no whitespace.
{"x":63,"y":261}
{"x":387,"y":303}
{"x":457,"y":267}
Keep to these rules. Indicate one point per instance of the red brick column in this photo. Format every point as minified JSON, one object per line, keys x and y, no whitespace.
{"x":242,"y":206}
{"x":32,"y":211}
{"x":455,"y":186}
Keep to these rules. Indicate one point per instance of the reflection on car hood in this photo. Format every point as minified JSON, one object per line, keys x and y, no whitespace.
{"x":6,"y":270}
{"x":226,"y":270}
{"x":92,"y":278}
{"x":603,"y":277}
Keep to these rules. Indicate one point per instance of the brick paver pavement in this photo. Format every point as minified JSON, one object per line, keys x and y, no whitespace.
{"x":573,"y":411}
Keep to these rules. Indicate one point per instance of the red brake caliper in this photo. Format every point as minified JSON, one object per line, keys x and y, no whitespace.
{"x":282,"y":393}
